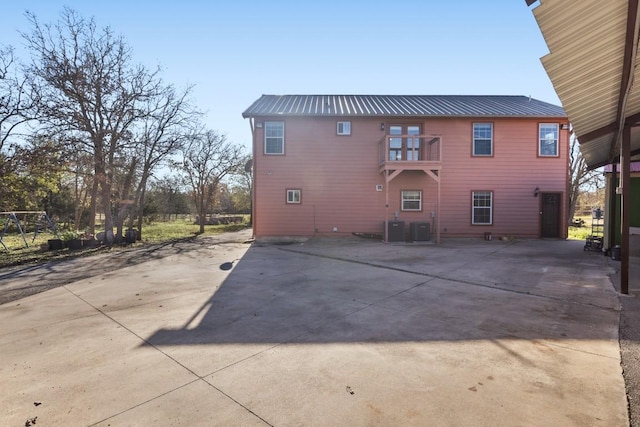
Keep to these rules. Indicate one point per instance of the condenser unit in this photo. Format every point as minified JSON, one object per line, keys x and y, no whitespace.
{"x":420,"y":231}
{"x":395,"y":231}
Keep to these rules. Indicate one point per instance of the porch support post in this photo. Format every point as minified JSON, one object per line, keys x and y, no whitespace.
{"x":437,"y":222}
{"x":386,"y":206}
{"x":611,"y":216}
{"x":625,"y":208}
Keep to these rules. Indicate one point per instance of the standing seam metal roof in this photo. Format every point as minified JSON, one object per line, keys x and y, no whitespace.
{"x":402,"y":105}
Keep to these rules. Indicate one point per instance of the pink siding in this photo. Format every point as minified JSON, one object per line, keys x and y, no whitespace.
{"x":338,"y":177}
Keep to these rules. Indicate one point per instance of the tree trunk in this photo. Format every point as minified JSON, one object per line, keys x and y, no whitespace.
{"x":141,"y":201}
{"x":93,"y":207}
{"x":105,"y":193}
{"x":123,"y":207}
{"x":109,"y":238}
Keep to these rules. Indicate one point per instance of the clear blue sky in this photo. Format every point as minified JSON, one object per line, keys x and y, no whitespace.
{"x":234,"y":51}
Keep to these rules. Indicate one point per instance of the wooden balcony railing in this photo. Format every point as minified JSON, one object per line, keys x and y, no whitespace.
{"x":409,"y":152}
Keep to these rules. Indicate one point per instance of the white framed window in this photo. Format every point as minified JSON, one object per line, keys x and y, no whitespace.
{"x":411,"y":200}
{"x":344,"y":128}
{"x":548,"y":140}
{"x":482,"y":208}
{"x":273,"y":137}
{"x":483,"y":139}
{"x":294,"y":196}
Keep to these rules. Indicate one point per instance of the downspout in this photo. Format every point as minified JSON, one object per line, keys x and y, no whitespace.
{"x":253,"y":177}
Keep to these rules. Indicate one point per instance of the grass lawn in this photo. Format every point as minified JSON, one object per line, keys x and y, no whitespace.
{"x":581,"y":233}
{"x":156,"y":232}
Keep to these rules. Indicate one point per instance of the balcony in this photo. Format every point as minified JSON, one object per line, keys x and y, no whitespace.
{"x":409,"y":152}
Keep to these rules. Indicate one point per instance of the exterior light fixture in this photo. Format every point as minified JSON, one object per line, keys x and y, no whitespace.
{"x":382,"y":126}
{"x":536,"y":192}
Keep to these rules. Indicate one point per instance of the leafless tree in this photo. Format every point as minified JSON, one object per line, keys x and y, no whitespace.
{"x":160,"y":135}
{"x":89,"y":90}
{"x":16,"y":105}
{"x":208,"y":159}
{"x":580,"y":177}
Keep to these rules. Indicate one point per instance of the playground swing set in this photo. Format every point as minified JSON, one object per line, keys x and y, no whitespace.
{"x":40,"y":219}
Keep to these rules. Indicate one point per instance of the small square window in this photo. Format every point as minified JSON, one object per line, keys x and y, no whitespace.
{"x":344,"y":128}
{"x":482,"y":139}
{"x":294,"y":196}
{"x":548,"y":140}
{"x":412,"y":200}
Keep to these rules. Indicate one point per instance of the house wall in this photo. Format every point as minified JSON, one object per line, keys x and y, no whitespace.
{"x":634,"y":219}
{"x":338,"y":176}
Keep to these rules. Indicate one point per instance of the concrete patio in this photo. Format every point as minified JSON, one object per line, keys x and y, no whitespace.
{"x":328,"y":332}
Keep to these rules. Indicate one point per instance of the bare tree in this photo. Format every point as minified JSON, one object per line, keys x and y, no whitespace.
{"x":15,"y":101}
{"x":580,"y":177}
{"x":88,"y":89}
{"x":160,"y":135}
{"x":242,"y":188}
{"x":208,"y":159}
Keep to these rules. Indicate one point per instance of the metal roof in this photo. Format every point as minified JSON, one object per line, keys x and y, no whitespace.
{"x":591,"y":63}
{"x":402,"y":105}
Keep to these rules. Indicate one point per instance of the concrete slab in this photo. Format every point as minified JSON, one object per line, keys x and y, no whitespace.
{"x":198,"y":402}
{"x":81,"y":371}
{"x":500,"y":382}
{"x":328,"y":332}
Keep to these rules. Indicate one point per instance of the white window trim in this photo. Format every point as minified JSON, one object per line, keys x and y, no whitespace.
{"x":344,"y":124}
{"x":291,"y":198}
{"x":473,"y":148}
{"x":474,"y":207}
{"x":265,"y":139}
{"x":402,"y":200}
{"x":540,"y":139}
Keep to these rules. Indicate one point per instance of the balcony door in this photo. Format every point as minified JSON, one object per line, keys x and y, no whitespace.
{"x":407,"y":147}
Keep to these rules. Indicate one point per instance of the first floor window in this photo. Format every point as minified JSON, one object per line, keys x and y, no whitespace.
{"x":482,"y":208}
{"x":412,"y":200}
{"x":482,"y":139}
{"x":548,"y":140}
{"x":294,"y":196}
{"x":344,"y":128}
{"x":273,"y":137}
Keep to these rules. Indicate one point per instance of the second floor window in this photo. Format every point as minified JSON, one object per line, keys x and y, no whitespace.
{"x":273,"y":137}
{"x":548,"y":140}
{"x":482,"y":139}
{"x":344,"y":128}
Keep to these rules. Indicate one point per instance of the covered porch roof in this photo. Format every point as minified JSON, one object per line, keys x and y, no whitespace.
{"x":592,"y":60}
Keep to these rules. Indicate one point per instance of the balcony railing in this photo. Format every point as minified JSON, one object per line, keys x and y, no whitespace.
{"x":409,"y":151}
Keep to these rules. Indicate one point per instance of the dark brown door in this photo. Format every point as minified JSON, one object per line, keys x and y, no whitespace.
{"x":550,"y":215}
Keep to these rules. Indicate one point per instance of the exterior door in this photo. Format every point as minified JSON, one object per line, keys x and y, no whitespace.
{"x":550,"y":215}
{"x":407,"y":148}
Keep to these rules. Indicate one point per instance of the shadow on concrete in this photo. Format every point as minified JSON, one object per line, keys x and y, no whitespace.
{"x":348,"y":290}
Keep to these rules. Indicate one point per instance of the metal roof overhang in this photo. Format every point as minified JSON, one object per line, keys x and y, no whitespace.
{"x":592,"y":58}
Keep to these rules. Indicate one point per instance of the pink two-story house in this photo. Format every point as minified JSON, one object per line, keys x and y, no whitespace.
{"x":408,"y":167}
